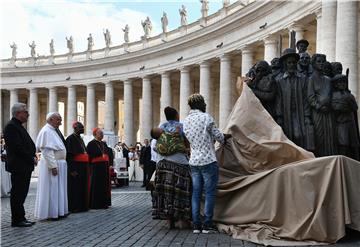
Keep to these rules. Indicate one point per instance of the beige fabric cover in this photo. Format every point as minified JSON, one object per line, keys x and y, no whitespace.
{"x":273,"y":192}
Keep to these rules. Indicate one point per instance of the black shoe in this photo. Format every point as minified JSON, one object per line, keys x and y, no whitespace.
{"x":196,"y":229}
{"x":143,"y":185}
{"x":209,"y":229}
{"x":31,"y":222}
{"x":21,"y":224}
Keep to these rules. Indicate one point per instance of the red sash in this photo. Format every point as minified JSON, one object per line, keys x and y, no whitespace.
{"x":81,"y":158}
{"x":103,"y":158}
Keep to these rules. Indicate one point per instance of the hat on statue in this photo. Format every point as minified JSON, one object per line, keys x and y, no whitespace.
{"x":304,"y":41}
{"x":289,"y":52}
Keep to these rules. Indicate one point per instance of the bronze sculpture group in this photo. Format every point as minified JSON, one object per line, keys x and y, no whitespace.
{"x":310,"y":99}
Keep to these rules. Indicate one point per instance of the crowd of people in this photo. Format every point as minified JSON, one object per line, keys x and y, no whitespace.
{"x":72,"y":177}
{"x":177,"y":165}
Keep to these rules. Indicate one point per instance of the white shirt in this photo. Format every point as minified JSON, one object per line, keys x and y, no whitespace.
{"x":201,"y":131}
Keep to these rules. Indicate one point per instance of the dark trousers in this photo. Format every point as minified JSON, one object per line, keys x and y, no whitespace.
{"x":20,"y":182}
{"x":149,"y":169}
{"x":144,"y":176}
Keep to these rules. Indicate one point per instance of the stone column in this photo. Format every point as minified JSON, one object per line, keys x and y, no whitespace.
{"x":347,"y":50}
{"x":328,"y":34}
{"x":318,"y":31}
{"x":71,"y":109}
{"x":205,"y":84}
{"x":14,"y":98}
{"x":90,"y":109}
{"x":299,"y":31}
{"x":146,"y":119}
{"x":165,"y":99}
{"x":53,"y":100}
{"x":270,"y":48}
{"x":225,"y":100}
{"x":109,"y":108}
{"x":184,"y":92}
{"x":128,"y":112}
{"x":247,"y":60}
{"x":34,"y":113}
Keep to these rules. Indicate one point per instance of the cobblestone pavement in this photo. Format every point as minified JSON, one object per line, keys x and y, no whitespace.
{"x":127,"y":223}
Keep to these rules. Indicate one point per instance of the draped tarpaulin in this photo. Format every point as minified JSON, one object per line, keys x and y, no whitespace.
{"x":275,"y":193}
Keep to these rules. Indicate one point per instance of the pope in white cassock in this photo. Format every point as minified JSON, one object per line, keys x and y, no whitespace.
{"x":51,"y":197}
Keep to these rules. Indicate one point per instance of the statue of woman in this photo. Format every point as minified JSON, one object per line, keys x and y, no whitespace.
{"x":183,"y":15}
{"x":319,"y":97}
{"x":345,"y":108}
{"x":164,"y":22}
{"x":126,"y":33}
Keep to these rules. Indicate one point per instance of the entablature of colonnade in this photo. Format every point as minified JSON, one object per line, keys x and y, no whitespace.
{"x":240,"y":27}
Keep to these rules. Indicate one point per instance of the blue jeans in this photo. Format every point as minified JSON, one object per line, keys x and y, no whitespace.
{"x":204,"y":177}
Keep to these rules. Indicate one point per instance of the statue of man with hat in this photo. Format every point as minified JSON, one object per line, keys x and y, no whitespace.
{"x":292,"y":109}
{"x":302,"y":45}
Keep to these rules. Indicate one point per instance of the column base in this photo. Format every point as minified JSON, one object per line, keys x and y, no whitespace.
{"x":164,"y":37}
{"x":145,"y":42}
{"x":126,"y":47}
{"x":183,"y":30}
{"x":203,"y":22}
{"x":69,"y":58}
{"x":107,"y":51}
{"x":51,"y":60}
{"x":88,"y":55}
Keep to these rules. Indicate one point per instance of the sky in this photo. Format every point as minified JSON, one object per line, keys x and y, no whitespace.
{"x":24,"y":21}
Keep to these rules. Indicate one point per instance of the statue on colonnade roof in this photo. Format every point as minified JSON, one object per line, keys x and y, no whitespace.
{"x":70,"y":44}
{"x":13,"y":51}
{"x":147,"y":26}
{"x":204,"y":8}
{"x":164,"y":22}
{"x":90,"y":42}
{"x":52,"y":49}
{"x":32,"y":46}
{"x":107,"y":37}
{"x":183,"y":15}
{"x":126,"y":33}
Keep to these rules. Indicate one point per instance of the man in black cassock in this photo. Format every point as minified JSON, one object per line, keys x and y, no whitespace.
{"x":125,"y":152}
{"x":100,"y":189}
{"x":145,"y":161}
{"x":78,"y":170}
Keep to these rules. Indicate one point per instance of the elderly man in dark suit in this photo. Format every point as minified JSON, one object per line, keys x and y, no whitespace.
{"x":21,"y":159}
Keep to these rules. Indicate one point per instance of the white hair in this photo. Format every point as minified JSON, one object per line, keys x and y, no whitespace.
{"x":17,"y":107}
{"x":51,"y":115}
